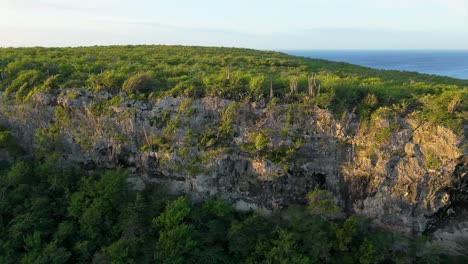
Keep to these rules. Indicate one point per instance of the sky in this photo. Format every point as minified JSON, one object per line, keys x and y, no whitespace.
{"x":259,"y":24}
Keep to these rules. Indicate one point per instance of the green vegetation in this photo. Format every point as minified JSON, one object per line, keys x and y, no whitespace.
{"x":432,"y":161}
{"x":261,"y":141}
{"x":321,"y":202}
{"x":225,"y":131}
{"x":8,"y":142}
{"x":98,"y":219}
{"x":51,"y":213}
{"x":448,"y":109}
{"x":140,"y":82}
{"x":383,"y":135}
{"x":237,"y":74}
{"x":56,"y":213}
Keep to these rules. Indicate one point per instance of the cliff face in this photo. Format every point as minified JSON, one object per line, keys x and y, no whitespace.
{"x":402,"y":173}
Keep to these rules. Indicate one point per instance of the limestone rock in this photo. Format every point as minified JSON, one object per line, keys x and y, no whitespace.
{"x":411,"y":180}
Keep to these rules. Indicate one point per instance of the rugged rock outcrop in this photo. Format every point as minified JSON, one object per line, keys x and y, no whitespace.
{"x":402,"y":173}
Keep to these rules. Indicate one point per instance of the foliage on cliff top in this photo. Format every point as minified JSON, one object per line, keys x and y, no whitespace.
{"x":236,"y":74}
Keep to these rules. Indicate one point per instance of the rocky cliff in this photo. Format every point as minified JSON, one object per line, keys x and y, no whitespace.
{"x":402,"y":173}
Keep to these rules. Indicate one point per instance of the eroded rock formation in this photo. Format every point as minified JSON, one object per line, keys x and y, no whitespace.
{"x":404,"y":174}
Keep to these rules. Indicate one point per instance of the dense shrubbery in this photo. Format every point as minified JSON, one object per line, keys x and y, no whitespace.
{"x":50,"y":217}
{"x":53,"y":214}
{"x":238,"y":74}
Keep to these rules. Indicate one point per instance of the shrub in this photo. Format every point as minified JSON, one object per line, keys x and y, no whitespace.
{"x":8,"y":142}
{"x":140,"y":82}
{"x":371,"y":100}
{"x":432,"y":161}
{"x":261,"y":141}
{"x":324,"y":100}
{"x":256,"y":85}
{"x":109,"y":80}
{"x":383,"y":136}
{"x":321,"y":202}
{"x":446,"y":109}
{"x":227,"y":119}
{"x":25,"y":82}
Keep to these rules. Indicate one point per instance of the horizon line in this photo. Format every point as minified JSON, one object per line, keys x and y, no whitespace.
{"x":237,"y":47}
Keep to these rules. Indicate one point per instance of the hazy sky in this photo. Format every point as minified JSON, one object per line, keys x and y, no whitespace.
{"x":261,"y":24}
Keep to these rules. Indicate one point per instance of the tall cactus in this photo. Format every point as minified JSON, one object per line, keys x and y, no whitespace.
{"x":293,"y":85}
{"x":228,"y":73}
{"x":313,"y":85}
{"x":271,"y":88}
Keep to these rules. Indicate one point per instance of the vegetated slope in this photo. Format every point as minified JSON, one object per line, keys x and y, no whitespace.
{"x":236,"y":74}
{"x":258,"y":129}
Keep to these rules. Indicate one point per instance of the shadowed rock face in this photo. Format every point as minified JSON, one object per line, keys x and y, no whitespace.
{"x":405,"y":175}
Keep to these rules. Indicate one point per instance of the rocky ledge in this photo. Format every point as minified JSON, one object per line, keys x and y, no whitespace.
{"x":402,"y":173}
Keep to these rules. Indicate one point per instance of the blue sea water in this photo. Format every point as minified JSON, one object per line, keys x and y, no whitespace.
{"x":446,"y":63}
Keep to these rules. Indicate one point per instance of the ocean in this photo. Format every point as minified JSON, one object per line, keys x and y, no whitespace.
{"x":446,"y":63}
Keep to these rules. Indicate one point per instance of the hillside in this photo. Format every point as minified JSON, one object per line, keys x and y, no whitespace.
{"x":101,"y":138}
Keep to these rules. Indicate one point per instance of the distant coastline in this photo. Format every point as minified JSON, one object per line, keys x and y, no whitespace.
{"x":451,"y":63}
